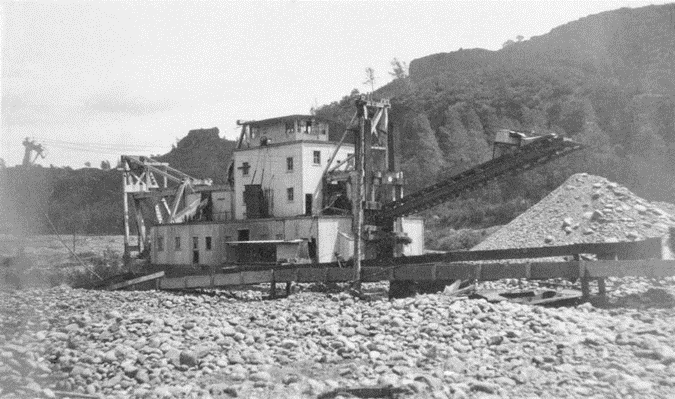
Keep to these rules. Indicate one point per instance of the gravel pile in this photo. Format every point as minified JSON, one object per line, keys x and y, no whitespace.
{"x":160,"y":344}
{"x":585,"y":209}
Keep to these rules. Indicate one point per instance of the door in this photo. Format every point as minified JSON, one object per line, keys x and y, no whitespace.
{"x":195,"y":250}
{"x":308,"y":204}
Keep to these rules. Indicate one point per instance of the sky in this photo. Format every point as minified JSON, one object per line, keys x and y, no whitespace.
{"x":93,"y":80}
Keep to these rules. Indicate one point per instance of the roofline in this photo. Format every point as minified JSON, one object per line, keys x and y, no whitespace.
{"x":283,"y":143}
{"x":285,"y":118}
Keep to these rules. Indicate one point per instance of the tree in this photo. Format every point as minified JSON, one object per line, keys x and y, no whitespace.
{"x":422,"y":158}
{"x":520,"y":38}
{"x":370,"y":78}
{"x":399,"y":69}
{"x":508,"y":43}
{"x":87,"y":164}
{"x":105,"y":165}
{"x":2,"y":164}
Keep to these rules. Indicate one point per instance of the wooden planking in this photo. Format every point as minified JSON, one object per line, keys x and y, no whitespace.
{"x":426,"y":272}
{"x":227,"y":279}
{"x":258,"y":277}
{"x":286,"y":275}
{"x":644,"y":268}
{"x":649,"y":248}
{"x":458,"y":271}
{"x":137,"y":280}
{"x":497,"y":271}
{"x":337,"y":274}
{"x":546,"y":270}
{"x":172,"y":283}
{"x":374,"y":274}
{"x":310,"y":275}
{"x":198,"y":281}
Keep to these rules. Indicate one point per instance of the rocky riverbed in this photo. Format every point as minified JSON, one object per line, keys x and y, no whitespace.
{"x":161,"y":344}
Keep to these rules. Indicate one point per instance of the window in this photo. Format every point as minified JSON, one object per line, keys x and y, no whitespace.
{"x":351,"y":160}
{"x":317,"y":157}
{"x":289,"y":194}
{"x":308,"y":127}
{"x":290,"y":127}
{"x":289,"y":164}
{"x":280,"y":236}
{"x":208,"y":243}
{"x":245,"y":168}
{"x":195,"y":242}
{"x":160,"y":243}
{"x":177,"y":244}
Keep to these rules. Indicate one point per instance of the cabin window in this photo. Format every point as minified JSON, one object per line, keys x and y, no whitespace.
{"x":160,"y":243}
{"x":245,"y":168}
{"x":289,"y":194}
{"x":290,"y":127}
{"x":289,"y":164}
{"x":195,"y":242}
{"x":317,"y":157}
{"x":207,"y":243}
{"x":177,"y":244}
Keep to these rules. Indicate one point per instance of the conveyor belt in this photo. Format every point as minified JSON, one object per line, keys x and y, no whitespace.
{"x":536,"y":153}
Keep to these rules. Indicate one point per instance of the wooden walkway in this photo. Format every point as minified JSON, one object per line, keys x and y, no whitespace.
{"x":636,"y":258}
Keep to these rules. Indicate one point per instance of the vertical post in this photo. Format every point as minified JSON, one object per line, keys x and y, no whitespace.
{"x":125,"y":176}
{"x":358,"y":178}
{"x":273,"y":287}
{"x":140,"y":226}
{"x":585,"y":286}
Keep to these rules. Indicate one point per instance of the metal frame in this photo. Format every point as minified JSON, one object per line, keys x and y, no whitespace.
{"x":141,"y":182}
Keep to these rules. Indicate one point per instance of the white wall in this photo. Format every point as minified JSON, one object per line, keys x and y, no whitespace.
{"x":268,"y":167}
{"x":329,"y":241}
{"x":414,"y":227}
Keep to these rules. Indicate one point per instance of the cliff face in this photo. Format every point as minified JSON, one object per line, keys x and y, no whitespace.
{"x":635,"y":47}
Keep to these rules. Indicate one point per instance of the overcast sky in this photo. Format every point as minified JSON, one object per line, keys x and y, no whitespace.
{"x":95,"y":80}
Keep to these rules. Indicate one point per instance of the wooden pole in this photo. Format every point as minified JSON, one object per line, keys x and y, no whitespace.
{"x":358,"y":191}
{"x":125,"y":176}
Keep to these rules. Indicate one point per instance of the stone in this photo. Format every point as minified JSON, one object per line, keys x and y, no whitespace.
{"x":222,"y":389}
{"x":482,"y":386}
{"x":260,"y":376}
{"x":189,"y":358}
{"x":142,"y":376}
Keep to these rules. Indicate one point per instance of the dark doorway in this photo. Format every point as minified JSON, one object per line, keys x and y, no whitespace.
{"x":243,"y":235}
{"x":308,"y":204}
{"x":195,"y":250}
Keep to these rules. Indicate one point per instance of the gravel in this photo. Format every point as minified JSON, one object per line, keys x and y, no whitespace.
{"x":160,"y":344}
{"x":584,"y":209}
